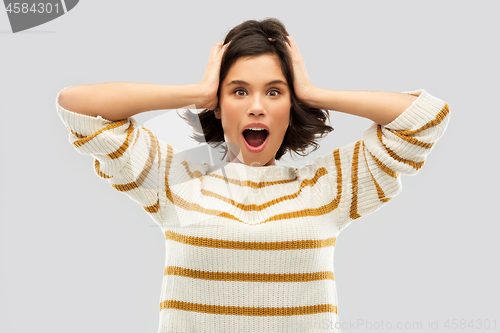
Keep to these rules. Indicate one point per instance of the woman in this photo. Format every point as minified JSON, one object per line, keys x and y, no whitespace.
{"x":250,"y":246}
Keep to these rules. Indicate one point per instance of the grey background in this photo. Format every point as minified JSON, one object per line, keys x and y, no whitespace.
{"x":77,"y":256}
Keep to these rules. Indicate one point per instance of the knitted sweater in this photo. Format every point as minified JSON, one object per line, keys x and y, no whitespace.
{"x":250,"y":249}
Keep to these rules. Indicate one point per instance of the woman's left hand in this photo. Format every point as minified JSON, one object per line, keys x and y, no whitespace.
{"x":302,"y":84}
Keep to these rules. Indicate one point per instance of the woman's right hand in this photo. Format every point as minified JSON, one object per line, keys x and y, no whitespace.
{"x":210,"y":82}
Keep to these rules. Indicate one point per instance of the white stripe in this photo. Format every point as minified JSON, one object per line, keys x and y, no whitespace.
{"x":182,"y":321}
{"x":249,"y":294}
{"x":249,"y":261}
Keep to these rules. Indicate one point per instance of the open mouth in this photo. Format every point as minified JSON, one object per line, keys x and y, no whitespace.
{"x":255,"y":138}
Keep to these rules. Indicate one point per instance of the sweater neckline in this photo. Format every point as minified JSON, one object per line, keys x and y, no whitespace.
{"x":255,"y":173}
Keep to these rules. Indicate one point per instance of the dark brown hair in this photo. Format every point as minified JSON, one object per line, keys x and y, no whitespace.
{"x":250,"y":38}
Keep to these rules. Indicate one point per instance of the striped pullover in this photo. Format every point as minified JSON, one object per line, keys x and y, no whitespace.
{"x":249,"y":248}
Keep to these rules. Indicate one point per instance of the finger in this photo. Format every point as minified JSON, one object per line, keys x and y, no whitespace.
{"x":215,"y":50}
{"x":217,"y":47}
{"x":226,"y":45}
{"x":290,"y":44}
{"x":293,"y":45}
{"x":223,"y":49}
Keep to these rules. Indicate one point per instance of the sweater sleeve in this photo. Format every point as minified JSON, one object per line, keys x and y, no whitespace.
{"x":126,"y":155}
{"x":367,"y":172}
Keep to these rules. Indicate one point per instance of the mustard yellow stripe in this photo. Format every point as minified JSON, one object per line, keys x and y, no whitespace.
{"x":406,"y":135}
{"x":244,"y":183}
{"x":154,"y":147}
{"x":384,"y":167}
{"x":438,"y":119}
{"x":240,"y":245}
{"x":116,"y":154}
{"x":129,"y":138}
{"x":323,"y":209}
{"x":78,"y":135}
{"x":97,"y":167}
{"x":380,"y":192}
{"x":195,"y":174}
{"x":168,"y":164}
{"x":248,"y":183}
{"x":180,"y":202}
{"x":338,"y":166}
{"x":253,"y":207}
{"x":147,"y":168}
{"x":415,"y":165}
{"x":412,"y":140}
{"x":248,"y":277}
{"x":125,"y":187}
{"x":86,"y":139}
{"x":353,"y":214}
{"x":145,"y":171}
{"x":159,"y":152}
{"x":154,"y":208}
{"x":248,"y":311}
{"x":191,"y":206}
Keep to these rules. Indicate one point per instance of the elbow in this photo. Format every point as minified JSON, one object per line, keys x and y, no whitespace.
{"x":65,"y":98}
{"x":71,"y":99}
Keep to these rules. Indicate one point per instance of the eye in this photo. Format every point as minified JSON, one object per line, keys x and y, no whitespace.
{"x":276,"y":92}
{"x":236,"y":92}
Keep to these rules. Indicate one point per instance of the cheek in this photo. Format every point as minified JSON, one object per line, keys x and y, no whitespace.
{"x":284,"y":113}
{"x":229,"y":119}
{"x":230,"y":105}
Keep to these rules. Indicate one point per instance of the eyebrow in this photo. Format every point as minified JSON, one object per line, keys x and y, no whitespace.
{"x":243,"y":83}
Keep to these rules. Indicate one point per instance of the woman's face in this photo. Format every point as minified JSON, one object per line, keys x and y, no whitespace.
{"x":254,"y":91}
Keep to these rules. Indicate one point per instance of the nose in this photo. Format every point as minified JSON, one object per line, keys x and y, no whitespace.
{"x":256,"y":108}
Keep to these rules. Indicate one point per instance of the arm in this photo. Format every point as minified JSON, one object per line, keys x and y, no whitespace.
{"x":125,"y":154}
{"x":382,"y":107}
{"x":99,"y":118}
{"x":367,"y":172}
{"x":121,"y":100}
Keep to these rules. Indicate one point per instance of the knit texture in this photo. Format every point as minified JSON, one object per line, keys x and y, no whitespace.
{"x":250,"y":249}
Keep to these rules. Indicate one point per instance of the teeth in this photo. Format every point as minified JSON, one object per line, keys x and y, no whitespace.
{"x":256,"y":129}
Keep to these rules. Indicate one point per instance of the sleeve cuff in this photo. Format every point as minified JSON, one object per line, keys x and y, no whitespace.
{"x":424,"y":109}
